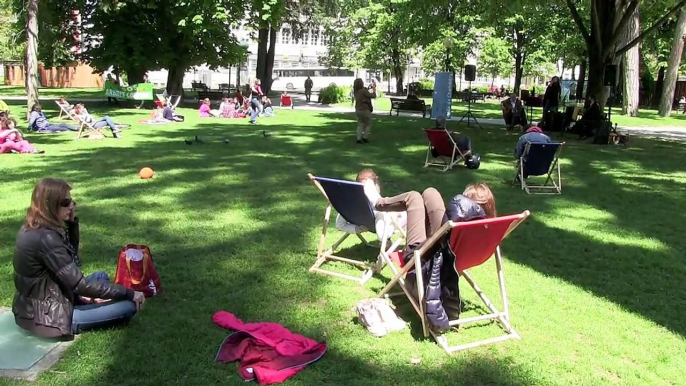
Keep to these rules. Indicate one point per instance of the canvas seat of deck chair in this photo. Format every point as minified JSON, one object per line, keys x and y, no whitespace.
{"x":88,"y":130}
{"x":473,"y":243}
{"x":349,"y":200}
{"x":448,"y":153}
{"x":67,"y":112}
{"x":540,"y":160}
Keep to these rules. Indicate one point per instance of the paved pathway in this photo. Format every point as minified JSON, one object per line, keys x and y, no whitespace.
{"x":665,"y":132}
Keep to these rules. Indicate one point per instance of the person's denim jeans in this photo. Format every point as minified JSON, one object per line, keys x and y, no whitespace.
{"x":106,"y":121}
{"x":97,"y":315}
{"x":256,"y":107}
{"x":57,"y":127}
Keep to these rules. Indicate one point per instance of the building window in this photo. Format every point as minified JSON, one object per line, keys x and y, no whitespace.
{"x":286,"y":36}
{"x":315,"y":37}
{"x":324,"y":40}
{"x":306,"y":38}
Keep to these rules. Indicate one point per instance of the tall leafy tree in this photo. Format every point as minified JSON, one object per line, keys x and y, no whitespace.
{"x":12,"y":43}
{"x":494,"y":58}
{"x":675,"y":57}
{"x":608,"y":19}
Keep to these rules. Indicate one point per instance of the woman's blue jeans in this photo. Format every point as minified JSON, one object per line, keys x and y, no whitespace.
{"x":97,"y":315}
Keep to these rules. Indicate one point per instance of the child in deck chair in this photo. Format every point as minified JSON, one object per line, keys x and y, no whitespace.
{"x":384,"y":229}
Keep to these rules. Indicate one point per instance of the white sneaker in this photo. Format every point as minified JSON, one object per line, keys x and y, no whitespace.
{"x":388,"y":317}
{"x":369,"y":317}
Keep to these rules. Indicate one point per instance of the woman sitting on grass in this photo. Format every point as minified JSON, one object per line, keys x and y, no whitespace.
{"x":11,"y":139}
{"x":53,"y":298}
{"x":83,"y":115}
{"x":206,"y":111}
{"x":39,"y":123}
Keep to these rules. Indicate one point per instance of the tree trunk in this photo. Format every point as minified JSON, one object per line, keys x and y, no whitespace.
{"x":31,"y":65}
{"x":675,"y":55}
{"x":518,"y":72}
{"x":263,"y":37}
{"x":659,"y":86}
{"x":596,"y":76}
{"x":581,"y":80}
{"x":630,"y":61}
{"x":175,"y":80}
{"x":269,"y":65}
{"x":397,"y":70}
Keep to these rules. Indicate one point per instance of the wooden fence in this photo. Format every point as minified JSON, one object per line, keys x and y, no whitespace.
{"x":76,"y":76}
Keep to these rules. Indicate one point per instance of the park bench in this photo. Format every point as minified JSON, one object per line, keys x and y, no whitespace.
{"x":404,"y":104}
{"x":198,"y":86}
{"x":211,"y":95}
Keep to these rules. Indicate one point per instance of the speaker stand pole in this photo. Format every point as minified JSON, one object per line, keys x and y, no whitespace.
{"x":469,"y":114}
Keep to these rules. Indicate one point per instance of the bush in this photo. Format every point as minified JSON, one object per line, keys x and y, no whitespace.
{"x":481,"y":89}
{"x":426,"y":84}
{"x":334,"y":94}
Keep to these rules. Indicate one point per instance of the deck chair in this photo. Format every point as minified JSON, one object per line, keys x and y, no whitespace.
{"x":65,"y":111}
{"x":443,"y":144}
{"x":87,"y":129}
{"x":349,"y":200}
{"x":540,"y":159}
{"x":473,"y":243}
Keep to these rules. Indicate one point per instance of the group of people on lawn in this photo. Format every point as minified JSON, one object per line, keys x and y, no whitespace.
{"x":257,"y":104}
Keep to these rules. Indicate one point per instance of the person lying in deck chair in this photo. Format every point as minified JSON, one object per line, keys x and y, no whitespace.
{"x":383,"y":228}
{"x":426,"y":213}
{"x":533,"y":134}
{"x":82,"y":114}
{"x":464,"y":143}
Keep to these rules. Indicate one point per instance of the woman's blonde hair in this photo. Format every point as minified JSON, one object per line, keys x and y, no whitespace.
{"x":47,"y":198}
{"x":482,"y":195}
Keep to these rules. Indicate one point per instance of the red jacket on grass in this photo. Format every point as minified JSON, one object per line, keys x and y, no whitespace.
{"x":268,"y":352}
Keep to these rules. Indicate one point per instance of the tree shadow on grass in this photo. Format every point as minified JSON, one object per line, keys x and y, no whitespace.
{"x":234,"y":226}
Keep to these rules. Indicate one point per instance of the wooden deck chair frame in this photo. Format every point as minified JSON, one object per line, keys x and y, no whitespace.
{"x":88,"y":130}
{"x":446,"y":164}
{"x":553,"y":178}
{"x":501,"y":317}
{"x":64,"y":111}
{"x":325,"y":254}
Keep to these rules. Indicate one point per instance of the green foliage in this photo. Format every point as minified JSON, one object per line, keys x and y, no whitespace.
{"x":136,"y":37}
{"x":426,"y":84}
{"x":11,"y":43}
{"x":334,"y":94}
{"x":494,"y":58}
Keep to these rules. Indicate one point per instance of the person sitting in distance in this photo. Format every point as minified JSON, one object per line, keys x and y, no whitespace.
{"x":513,"y":111}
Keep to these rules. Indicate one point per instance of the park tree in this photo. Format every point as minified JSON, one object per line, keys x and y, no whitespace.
{"x":525,"y":26}
{"x":12,"y":43}
{"x":136,"y":36}
{"x":607,"y":20}
{"x":675,"y":58}
{"x":494,"y":58}
{"x":376,"y":30}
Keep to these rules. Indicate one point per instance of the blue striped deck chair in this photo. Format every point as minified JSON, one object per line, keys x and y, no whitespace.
{"x":540,"y":160}
{"x":349,"y":200}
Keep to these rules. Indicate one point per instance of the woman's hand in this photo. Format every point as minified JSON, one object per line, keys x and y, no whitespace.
{"x":139,"y":299}
{"x":72,"y":212}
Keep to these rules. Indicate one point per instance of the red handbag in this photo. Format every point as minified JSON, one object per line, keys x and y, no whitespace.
{"x":136,"y":270}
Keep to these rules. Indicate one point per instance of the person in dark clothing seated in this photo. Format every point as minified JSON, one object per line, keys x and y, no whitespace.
{"x":513,"y":112}
{"x":53,"y":298}
{"x":533,"y":134}
{"x":170,"y":115}
{"x":590,"y":119}
{"x":464,"y":143}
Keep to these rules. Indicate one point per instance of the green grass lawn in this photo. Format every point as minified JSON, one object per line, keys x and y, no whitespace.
{"x":491,"y":109}
{"x":595,"y":276}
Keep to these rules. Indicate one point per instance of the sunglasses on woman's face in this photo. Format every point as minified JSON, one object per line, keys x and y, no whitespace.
{"x":65,"y":203}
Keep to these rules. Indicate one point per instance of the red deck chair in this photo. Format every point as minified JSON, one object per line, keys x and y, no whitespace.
{"x":473,"y":243}
{"x":286,"y":101}
{"x":448,"y":153}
